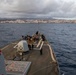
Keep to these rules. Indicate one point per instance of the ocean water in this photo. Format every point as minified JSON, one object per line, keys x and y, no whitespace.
{"x":62,"y":37}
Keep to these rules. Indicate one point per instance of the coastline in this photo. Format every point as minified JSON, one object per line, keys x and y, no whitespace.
{"x":38,"y":21}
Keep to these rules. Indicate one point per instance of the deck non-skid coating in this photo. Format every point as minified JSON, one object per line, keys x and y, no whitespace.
{"x":40,"y":64}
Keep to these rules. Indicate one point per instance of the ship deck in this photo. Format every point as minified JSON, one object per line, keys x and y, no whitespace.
{"x":45,"y":64}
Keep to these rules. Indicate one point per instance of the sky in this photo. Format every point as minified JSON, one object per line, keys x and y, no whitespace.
{"x":38,"y":8}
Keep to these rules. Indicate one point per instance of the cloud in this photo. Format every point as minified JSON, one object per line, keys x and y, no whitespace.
{"x":38,"y":8}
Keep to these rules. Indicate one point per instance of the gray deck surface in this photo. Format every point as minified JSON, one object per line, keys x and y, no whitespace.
{"x":40,"y":64}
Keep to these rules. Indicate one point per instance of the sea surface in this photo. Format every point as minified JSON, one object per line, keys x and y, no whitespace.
{"x":62,"y":37}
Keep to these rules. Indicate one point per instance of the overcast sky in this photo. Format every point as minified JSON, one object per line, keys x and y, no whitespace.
{"x":38,"y":8}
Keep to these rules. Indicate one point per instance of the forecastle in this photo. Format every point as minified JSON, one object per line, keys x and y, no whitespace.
{"x":37,"y":21}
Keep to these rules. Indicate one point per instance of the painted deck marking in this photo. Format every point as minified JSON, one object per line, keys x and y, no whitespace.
{"x":51,"y":52}
{"x":4,"y":47}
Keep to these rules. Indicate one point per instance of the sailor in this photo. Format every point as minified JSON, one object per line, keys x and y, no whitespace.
{"x":23,"y":37}
{"x":43,"y":37}
{"x":30,"y":41}
{"x":36,"y":36}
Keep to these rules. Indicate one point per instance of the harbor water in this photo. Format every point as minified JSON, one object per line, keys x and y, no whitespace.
{"x":62,"y":38}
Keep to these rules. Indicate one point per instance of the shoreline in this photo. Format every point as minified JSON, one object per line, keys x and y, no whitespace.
{"x":37,"y":21}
